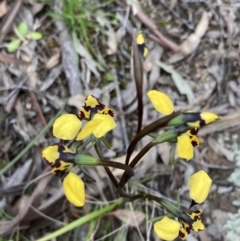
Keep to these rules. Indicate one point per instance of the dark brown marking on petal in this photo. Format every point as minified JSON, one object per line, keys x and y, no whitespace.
{"x":99,"y":106}
{"x":198,"y":212}
{"x":61,"y":147}
{"x":181,"y":235}
{"x":192,"y":204}
{"x":81,"y":115}
{"x":111,"y":113}
{"x":194,"y":131}
{"x":193,"y":117}
{"x":194,"y":143}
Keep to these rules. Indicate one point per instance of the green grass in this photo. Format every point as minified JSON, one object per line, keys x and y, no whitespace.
{"x":80,"y":17}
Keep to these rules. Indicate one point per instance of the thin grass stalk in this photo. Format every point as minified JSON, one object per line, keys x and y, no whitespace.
{"x":79,"y":222}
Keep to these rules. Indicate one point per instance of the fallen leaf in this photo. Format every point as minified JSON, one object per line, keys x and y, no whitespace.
{"x":191,"y":43}
{"x":131,"y":218}
{"x":52,"y":76}
{"x":112,"y":38}
{"x":164,"y":151}
{"x":53,"y":61}
{"x":181,"y":84}
{"x":8,"y":59}
{"x":220,"y":150}
{"x":3,"y":8}
{"x":77,"y":101}
{"x":83,"y":52}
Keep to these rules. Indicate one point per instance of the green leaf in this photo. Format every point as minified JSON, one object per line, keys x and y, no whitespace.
{"x":23,"y":29}
{"x":35,"y":36}
{"x":13,"y":45}
{"x":109,"y":77}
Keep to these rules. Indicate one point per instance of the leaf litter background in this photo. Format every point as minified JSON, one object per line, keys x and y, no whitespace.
{"x":193,"y":57}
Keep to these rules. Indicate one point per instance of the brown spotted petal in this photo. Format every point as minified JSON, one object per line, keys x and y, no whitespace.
{"x":58,"y":156}
{"x":195,"y":225}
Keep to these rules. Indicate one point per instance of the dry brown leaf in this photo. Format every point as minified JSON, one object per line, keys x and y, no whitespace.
{"x":5,"y":145}
{"x":89,"y":61}
{"x":37,"y":7}
{"x":69,"y":58}
{"x":3,"y":8}
{"x":54,"y":73}
{"x":7,"y":227}
{"x":9,"y":18}
{"x":164,"y":151}
{"x":8,"y":59}
{"x":153,"y":56}
{"x":56,"y":102}
{"x":31,"y":71}
{"x":220,"y":149}
{"x":219,"y":218}
{"x":131,"y":218}
{"x":192,"y":42}
{"x":21,"y":204}
{"x":54,"y":60}
{"x":127,"y":95}
{"x":203,"y":236}
{"x":112,"y":38}
{"x":148,"y":161}
{"x":77,"y":101}
{"x":190,"y":237}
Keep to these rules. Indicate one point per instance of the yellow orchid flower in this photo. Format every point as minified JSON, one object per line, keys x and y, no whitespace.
{"x":167,"y":229}
{"x":185,"y":144}
{"x":161,"y":102}
{"x":58,"y":156}
{"x":196,"y":224}
{"x":98,"y":126}
{"x":74,"y":189}
{"x":203,"y":118}
{"x":67,"y":126}
{"x":140,"y":40}
{"x":184,"y":147}
{"x":199,"y":186}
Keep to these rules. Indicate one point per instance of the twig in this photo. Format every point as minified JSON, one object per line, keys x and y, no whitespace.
{"x":11,"y":60}
{"x":153,"y":27}
{"x":69,"y":56}
{"x":39,"y":111}
{"x":9,"y":18}
{"x":9,"y":226}
{"x":214,"y":166}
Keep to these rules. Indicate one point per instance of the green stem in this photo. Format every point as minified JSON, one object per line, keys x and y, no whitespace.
{"x":31,"y":143}
{"x":79,"y":222}
{"x":82,"y":161}
{"x":171,"y":208}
